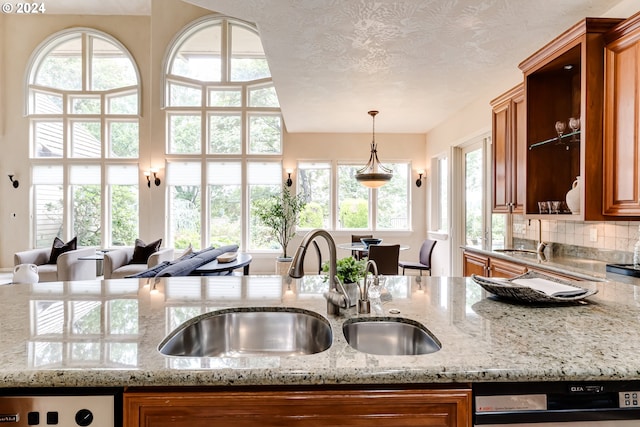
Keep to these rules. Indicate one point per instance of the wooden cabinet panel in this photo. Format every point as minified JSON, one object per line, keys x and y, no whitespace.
{"x":509,"y":151}
{"x":506,"y":269}
{"x":501,"y":163}
{"x":473,"y":263}
{"x":483,"y":265}
{"x":622,"y":120}
{"x":299,"y":408}
{"x":519,"y":157}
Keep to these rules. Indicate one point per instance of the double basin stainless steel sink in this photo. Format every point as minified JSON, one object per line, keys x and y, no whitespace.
{"x":270,"y":331}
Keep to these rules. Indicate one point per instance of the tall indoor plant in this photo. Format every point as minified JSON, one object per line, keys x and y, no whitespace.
{"x":279,"y":214}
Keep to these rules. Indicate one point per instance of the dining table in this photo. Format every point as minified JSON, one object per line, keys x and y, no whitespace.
{"x":361,"y":247}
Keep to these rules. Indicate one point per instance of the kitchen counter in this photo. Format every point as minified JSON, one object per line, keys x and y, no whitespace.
{"x":581,"y":268}
{"x":106,"y":333}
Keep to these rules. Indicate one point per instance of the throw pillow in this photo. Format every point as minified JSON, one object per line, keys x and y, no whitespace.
{"x":59,"y":247}
{"x":142,"y":251}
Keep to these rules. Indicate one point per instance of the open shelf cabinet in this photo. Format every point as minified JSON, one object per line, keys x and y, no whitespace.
{"x":565,"y":79}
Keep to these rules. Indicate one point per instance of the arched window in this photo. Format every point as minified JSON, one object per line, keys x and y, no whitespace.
{"x":83,"y":104}
{"x":223,"y":134}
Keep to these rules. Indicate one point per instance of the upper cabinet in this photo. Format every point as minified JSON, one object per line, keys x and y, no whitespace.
{"x":565,"y":80}
{"x":622,"y":120}
{"x":509,"y":151}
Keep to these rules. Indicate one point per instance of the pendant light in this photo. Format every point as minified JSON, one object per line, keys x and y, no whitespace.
{"x":374,"y":174}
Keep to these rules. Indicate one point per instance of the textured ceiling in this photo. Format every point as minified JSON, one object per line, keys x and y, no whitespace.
{"x":416,"y":61}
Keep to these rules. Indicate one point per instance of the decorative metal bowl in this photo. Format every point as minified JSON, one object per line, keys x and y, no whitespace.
{"x":370,"y":241}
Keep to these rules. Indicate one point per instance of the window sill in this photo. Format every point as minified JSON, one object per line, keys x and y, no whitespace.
{"x":438,"y":235}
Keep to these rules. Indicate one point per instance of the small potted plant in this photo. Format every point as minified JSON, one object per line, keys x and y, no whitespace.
{"x":348,"y":269}
{"x":279,"y":214}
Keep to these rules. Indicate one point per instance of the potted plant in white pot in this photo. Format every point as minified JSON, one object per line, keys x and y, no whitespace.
{"x":279,"y":214}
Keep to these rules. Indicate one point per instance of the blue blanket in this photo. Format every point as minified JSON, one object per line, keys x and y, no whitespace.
{"x":184,"y":266}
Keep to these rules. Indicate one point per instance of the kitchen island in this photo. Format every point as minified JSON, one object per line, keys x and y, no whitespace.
{"x":106,"y":333}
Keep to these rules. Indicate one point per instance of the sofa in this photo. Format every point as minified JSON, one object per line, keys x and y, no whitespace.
{"x":68,"y":265}
{"x":117,"y":263}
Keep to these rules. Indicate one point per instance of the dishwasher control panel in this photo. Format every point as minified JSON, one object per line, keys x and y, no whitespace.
{"x":63,"y":411}
{"x":629,"y":399}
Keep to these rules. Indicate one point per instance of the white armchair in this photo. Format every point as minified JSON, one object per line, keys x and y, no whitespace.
{"x":67,"y":267}
{"x":116,"y":262}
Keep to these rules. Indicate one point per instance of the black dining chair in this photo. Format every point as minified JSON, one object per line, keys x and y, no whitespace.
{"x":386,"y":258}
{"x":355,"y":238}
{"x":424,"y":263}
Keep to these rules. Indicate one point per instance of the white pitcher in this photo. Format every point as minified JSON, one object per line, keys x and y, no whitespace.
{"x":573,"y":196}
{"x":25,"y":273}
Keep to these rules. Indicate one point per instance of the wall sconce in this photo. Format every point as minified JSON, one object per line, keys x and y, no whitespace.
{"x":420,"y":178}
{"x":289,"y":182}
{"x":14,"y":182}
{"x":156,"y":180}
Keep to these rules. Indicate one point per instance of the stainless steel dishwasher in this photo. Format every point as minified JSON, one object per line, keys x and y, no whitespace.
{"x":560,"y":404}
{"x":63,"y":407}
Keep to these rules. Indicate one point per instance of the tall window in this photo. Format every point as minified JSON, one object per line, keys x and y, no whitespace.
{"x":393,"y":200}
{"x":222,"y":112}
{"x":314,"y":181}
{"x":353,"y":199}
{"x":83,"y":106}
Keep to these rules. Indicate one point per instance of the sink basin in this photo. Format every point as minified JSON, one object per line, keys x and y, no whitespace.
{"x":255,"y":331}
{"x":390,"y":336}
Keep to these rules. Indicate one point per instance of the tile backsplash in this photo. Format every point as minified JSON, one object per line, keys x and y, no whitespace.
{"x":587,"y":237}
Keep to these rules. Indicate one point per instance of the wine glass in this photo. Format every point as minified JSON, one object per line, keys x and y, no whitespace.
{"x":574,"y":125}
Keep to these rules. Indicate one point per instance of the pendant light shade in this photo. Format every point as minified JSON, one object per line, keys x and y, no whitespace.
{"x":374,"y":174}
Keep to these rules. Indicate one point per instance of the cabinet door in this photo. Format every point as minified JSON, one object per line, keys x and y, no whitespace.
{"x":500,"y":149}
{"x":518,"y":152}
{"x":508,"y":147}
{"x":304,"y":408}
{"x":474,"y":264}
{"x":622,"y":125}
{"x":506,"y":269}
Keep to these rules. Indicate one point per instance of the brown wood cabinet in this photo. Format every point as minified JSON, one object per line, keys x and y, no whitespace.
{"x":622,"y":120}
{"x":506,"y":269}
{"x":300,"y":408}
{"x":509,"y":147}
{"x":565,"y":79}
{"x":474,"y":263}
{"x":484,"y":265}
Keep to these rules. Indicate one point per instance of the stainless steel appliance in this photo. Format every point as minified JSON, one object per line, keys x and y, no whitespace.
{"x":61,"y":407}
{"x":561,"y":404}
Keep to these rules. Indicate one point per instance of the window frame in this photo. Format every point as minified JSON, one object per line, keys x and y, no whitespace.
{"x":206,"y":109}
{"x":372,"y":205}
{"x":67,"y":117}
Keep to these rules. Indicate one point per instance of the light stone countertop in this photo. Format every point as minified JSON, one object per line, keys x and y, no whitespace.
{"x":106,"y":333}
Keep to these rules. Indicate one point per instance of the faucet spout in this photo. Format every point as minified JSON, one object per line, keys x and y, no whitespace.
{"x":337,"y":297}
{"x":541,"y":245}
{"x":364,"y":305}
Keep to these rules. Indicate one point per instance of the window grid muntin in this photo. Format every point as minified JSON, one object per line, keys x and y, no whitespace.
{"x":207,"y":109}
{"x":66,"y":118}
